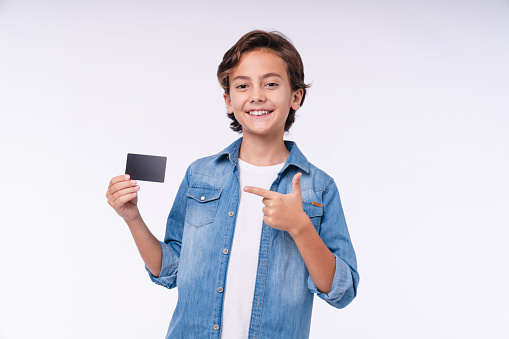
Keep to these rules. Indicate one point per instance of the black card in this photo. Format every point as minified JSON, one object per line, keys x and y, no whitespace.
{"x":145,"y":167}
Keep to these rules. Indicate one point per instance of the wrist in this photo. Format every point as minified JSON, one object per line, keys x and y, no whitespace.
{"x":134,"y":221}
{"x":303,"y":227}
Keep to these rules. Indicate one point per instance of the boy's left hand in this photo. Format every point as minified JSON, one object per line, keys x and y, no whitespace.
{"x":283,"y":211}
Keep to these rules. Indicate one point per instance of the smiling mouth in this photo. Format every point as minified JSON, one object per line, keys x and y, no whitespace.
{"x":258,"y":113}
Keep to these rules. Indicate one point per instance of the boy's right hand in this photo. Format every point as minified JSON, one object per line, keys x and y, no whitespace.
{"x":123,"y":197}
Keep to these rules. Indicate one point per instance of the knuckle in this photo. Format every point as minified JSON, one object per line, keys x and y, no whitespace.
{"x":115,"y":196}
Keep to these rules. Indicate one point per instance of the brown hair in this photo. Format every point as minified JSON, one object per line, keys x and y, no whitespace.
{"x":274,"y":42}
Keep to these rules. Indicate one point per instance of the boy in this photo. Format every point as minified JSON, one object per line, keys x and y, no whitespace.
{"x":255,"y":230}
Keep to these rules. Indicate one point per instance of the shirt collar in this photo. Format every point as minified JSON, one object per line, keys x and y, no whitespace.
{"x":296,"y":158}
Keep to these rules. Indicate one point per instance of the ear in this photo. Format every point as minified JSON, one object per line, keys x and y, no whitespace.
{"x":228,"y":102}
{"x":297,"y":98}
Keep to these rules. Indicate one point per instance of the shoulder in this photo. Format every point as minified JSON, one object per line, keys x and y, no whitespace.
{"x":216,"y":165}
{"x":205,"y":162}
{"x":312,"y":177}
{"x":320,"y":178}
{"x":212,"y":166}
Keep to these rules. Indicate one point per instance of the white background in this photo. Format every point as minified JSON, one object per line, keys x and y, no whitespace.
{"x":408,"y":111}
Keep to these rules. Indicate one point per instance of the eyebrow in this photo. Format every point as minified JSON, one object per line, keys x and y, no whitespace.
{"x":268,"y":75}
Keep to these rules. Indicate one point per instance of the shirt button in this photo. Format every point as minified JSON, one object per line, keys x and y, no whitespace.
{"x":231,"y":213}
{"x":216,"y":327}
{"x":202,"y":198}
{"x":225,"y":251}
{"x":220,"y":289}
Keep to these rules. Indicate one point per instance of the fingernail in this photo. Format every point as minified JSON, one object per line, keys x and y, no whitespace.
{"x":133,"y":182}
{"x":126,"y":177}
{"x":246,"y":189}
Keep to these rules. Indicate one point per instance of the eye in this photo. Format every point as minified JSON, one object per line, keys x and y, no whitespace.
{"x":242,"y":86}
{"x":271,"y":85}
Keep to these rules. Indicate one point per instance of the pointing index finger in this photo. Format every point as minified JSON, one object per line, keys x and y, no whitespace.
{"x":262,"y":192}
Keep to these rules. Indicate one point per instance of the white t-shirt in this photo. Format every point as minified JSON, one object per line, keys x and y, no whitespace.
{"x":243,"y":264}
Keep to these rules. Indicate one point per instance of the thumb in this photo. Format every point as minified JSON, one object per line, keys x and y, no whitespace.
{"x":296,"y":184}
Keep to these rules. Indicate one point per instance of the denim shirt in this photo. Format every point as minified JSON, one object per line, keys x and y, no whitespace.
{"x":198,"y":241}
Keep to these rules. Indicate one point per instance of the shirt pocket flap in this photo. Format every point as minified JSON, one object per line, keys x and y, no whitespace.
{"x":313,"y":210}
{"x":204,"y":194}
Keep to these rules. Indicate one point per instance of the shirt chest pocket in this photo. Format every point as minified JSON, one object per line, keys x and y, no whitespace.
{"x":312,"y":205}
{"x":202,"y":205}
{"x":314,"y":211}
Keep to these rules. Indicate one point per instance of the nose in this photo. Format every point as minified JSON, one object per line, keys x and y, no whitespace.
{"x":257,"y":94}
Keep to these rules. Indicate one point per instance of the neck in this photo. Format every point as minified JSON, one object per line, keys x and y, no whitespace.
{"x":263,"y":150}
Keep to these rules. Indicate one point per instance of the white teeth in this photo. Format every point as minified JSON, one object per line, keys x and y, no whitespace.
{"x":259,"y":112}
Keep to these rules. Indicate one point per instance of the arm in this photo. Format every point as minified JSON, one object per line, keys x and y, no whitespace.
{"x":329,"y":257}
{"x":319,"y":260}
{"x":334,"y":233}
{"x":147,"y":245}
{"x":122,"y":195}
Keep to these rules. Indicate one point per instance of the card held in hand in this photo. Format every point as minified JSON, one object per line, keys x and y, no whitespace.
{"x":145,"y":167}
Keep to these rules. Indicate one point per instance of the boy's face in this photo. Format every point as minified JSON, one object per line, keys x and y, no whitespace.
{"x":260,"y":94}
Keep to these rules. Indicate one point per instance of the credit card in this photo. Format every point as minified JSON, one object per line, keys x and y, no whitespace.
{"x":145,"y":167}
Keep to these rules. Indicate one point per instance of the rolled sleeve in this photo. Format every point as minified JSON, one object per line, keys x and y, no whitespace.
{"x":169,"y":267}
{"x":342,"y":291}
{"x":334,"y":233}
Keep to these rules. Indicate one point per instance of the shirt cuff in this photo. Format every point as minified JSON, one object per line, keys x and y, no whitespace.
{"x":342,"y":291}
{"x":169,"y":267}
